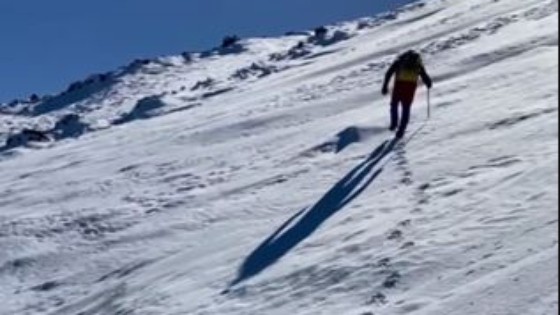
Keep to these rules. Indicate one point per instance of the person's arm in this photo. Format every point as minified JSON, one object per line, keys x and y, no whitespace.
{"x":388,"y":76}
{"x":425,"y":77}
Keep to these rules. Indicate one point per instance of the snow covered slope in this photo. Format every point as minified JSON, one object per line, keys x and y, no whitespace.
{"x":261,"y":179}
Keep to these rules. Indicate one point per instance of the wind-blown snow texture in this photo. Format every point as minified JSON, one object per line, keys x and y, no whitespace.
{"x":260,"y":179}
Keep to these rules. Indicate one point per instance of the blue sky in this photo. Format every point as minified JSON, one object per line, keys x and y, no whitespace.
{"x":45,"y":45}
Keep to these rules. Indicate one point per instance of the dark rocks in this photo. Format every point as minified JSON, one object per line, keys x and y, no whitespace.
{"x":34,"y":98}
{"x":204,"y":84}
{"x":144,"y":108}
{"x":69,"y":126}
{"x":24,"y":137}
{"x":320,"y":32}
{"x":229,"y":41}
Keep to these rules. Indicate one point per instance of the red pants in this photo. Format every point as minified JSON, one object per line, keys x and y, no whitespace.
{"x":403,"y":94}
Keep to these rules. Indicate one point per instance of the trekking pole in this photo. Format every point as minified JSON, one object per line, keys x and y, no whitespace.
{"x":428,"y":97}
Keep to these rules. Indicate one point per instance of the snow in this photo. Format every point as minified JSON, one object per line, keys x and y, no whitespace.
{"x":283,"y":193}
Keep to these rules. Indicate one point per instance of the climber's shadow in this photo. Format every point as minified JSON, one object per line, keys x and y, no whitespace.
{"x":292,"y":232}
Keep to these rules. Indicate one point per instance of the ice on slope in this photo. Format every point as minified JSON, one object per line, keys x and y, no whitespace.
{"x":159,"y":216}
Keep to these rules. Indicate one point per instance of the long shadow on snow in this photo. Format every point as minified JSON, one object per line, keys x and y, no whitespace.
{"x":289,"y":235}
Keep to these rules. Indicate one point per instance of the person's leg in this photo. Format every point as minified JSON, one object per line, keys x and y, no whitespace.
{"x":407,"y":98}
{"x":394,"y":112}
{"x":405,"y":117}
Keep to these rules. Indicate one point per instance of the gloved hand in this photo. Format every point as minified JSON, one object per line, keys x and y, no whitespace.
{"x":384,"y":90}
